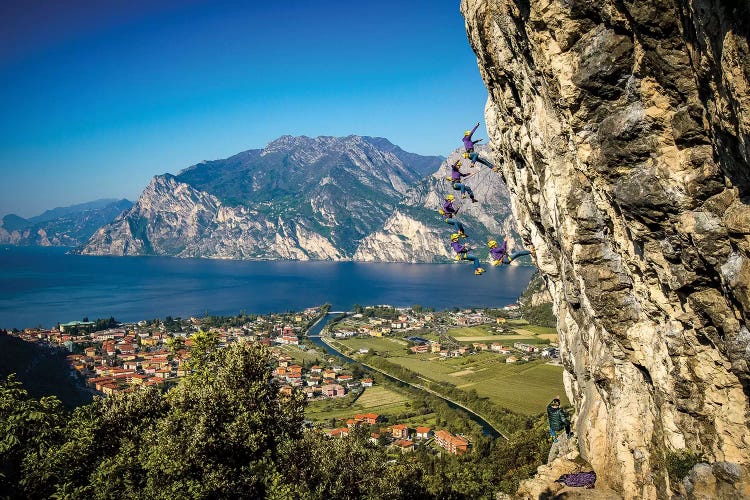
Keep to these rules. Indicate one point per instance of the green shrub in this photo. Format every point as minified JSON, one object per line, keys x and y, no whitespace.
{"x":680,"y":462}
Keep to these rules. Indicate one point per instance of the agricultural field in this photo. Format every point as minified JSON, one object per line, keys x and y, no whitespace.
{"x":377,"y":399}
{"x":514,"y":328}
{"x":473,"y":331}
{"x":515,"y":331}
{"x":299,"y":355}
{"x":541,"y":332}
{"x":524,"y":388}
{"x":391,"y":346}
{"x":505,"y":339}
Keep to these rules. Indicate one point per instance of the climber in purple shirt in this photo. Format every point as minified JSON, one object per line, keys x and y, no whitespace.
{"x":462,"y":253}
{"x":470,"y":154}
{"x":449,"y":211}
{"x":468,"y":143}
{"x":499,"y":254}
{"x":456,"y":178}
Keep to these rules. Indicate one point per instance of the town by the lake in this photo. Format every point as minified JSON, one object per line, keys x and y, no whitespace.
{"x":410,"y":377}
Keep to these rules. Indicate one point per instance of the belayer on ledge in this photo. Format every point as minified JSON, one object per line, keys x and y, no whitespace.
{"x":499,"y":254}
{"x":458,"y":184}
{"x":449,"y":211}
{"x":462,"y":253}
{"x":470,"y":154}
{"x":558,"y":422}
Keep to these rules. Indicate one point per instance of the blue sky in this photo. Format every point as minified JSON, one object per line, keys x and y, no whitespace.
{"x":97,"y":97}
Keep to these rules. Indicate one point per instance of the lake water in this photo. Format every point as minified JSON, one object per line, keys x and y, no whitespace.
{"x":44,"y":286}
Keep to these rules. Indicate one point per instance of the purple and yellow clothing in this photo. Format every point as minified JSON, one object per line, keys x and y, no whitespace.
{"x":456,"y":174}
{"x":456,"y":180}
{"x":459,"y":247}
{"x":499,"y":253}
{"x":448,"y":209}
{"x":463,"y":251}
{"x":468,"y":143}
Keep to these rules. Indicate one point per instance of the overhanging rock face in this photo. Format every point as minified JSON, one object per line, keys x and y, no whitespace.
{"x":623,"y":130}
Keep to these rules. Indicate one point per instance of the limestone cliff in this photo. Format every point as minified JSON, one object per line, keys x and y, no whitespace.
{"x":623,"y":129}
{"x":173,"y":218}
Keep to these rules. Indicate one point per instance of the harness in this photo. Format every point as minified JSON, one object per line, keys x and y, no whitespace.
{"x":454,"y":182}
{"x":445,"y":214}
{"x":461,"y":255}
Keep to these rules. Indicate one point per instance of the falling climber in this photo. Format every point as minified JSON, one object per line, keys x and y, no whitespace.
{"x":499,"y":254}
{"x":449,"y":212}
{"x":470,"y":154}
{"x":456,"y":179}
{"x":462,"y":253}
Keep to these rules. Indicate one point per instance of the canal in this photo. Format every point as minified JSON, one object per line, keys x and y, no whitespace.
{"x":313,"y":336}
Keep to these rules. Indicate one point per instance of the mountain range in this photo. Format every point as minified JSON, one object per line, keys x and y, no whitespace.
{"x":62,"y":226}
{"x":302,"y":198}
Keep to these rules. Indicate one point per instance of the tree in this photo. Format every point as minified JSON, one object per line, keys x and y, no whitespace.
{"x":225,"y":432}
{"x":204,"y":349}
{"x":99,"y":456}
{"x":174,"y":344}
{"x":27,"y":428}
{"x":351,"y":467}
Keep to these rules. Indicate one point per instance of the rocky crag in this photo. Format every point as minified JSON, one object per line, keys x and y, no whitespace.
{"x":302,"y":198}
{"x":623,"y":129}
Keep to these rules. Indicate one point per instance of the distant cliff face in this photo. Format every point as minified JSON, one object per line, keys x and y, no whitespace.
{"x":67,"y":226}
{"x":625,"y":133}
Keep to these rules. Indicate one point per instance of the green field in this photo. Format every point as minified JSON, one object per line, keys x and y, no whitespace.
{"x":299,"y":355}
{"x":394,"y":347}
{"x":524,"y":388}
{"x":503,"y":339}
{"x":517,"y":330}
{"x":377,"y":399}
{"x":540,"y":330}
{"x":473,"y":331}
